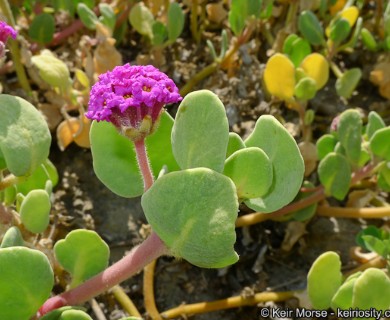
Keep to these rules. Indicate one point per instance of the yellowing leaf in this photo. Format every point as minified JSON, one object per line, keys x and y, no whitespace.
{"x":350,"y":14}
{"x":380,"y":76}
{"x":70,"y":130}
{"x":337,"y":7}
{"x":316,"y":67}
{"x":279,"y":77}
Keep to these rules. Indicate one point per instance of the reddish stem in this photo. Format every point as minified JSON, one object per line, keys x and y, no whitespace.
{"x":136,"y":260}
{"x":143,"y":163}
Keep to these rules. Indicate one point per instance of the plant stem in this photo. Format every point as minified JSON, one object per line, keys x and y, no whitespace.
{"x":356,"y":213}
{"x":139,"y":257}
{"x":232,"y":302}
{"x":10,"y":180}
{"x":143,"y":163}
{"x":149,"y":302}
{"x":14,"y":48}
{"x":125,"y":301}
{"x":257,"y":217}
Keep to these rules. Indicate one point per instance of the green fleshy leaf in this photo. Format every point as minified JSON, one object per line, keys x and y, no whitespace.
{"x":65,"y":5}
{"x":372,"y":290}
{"x":25,"y":283}
{"x":343,"y":297}
{"x":159,"y":33}
{"x":175,"y":23}
{"x":305,"y":89}
{"x":74,"y":315}
{"x":325,"y":145}
{"x":296,"y":48}
{"x":142,"y":20}
{"x":379,"y":143}
{"x":375,"y":122}
{"x":24,"y":136}
{"x":107,"y":17}
{"x":335,"y":175}
{"x":340,"y":30}
{"x":288,"y":166}
{"x":349,"y":132}
{"x":200,"y":134}
{"x":235,"y":143}
{"x":384,"y":172}
{"x":311,"y":28}
{"x":194,"y":212}
{"x":37,"y":180}
{"x":12,"y":238}
{"x":35,"y":211}
{"x":240,"y":11}
{"x":370,"y":231}
{"x":87,"y":16}
{"x":52,"y":70}
{"x":346,"y":84}
{"x":83,"y":254}
{"x":381,"y":247}
{"x":324,"y":279}
{"x":368,"y":40}
{"x":42,"y":28}
{"x":307,"y":212}
{"x":112,"y":150}
{"x":251,"y":171}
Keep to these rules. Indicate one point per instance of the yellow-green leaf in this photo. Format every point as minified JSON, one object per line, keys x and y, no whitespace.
{"x":316,"y":67}
{"x":279,"y":77}
{"x":350,"y":14}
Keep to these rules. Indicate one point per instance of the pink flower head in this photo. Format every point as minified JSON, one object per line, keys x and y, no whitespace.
{"x":132,"y":98}
{"x":6,"y":31}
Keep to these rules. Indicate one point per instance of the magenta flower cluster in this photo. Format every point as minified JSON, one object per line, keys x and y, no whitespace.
{"x":128,"y":94}
{"x":6,"y":31}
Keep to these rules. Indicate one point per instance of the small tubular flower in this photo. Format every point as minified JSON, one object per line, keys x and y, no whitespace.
{"x":6,"y":31}
{"x":132,"y":98}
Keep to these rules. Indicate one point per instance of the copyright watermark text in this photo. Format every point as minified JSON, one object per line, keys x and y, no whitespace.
{"x":308,"y":313}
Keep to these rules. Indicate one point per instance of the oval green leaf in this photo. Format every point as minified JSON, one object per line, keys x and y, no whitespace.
{"x":288,"y":166}
{"x":349,"y":131}
{"x":112,"y":150}
{"x":325,"y":145}
{"x":335,"y":175}
{"x":107,"y":17}
{"x":339,"y":30}
{"x":12,"y":238}
{"x":87,"y":16}
{"x":74,"y":315}
{"x":311,"y":28}
{"x":251,"y":171}
{"x":142,"y":19}
{"x":368,"y":40}
{"x":24,"y":136}
{"x":25,"y":283}
{"x":175,"y":23}
{"x":379,"y":143}
{"x":35,"y":211}
{"x":375,"y":122}
{"x":200,"y":134}
{"x":194,"y":212}
{"x":324,"y":279}
{"x":343,"y":297}
{"x":42,"y":28}
{"x":305,"y":89}
{"x":83,"y":254}
{"x":52,"y":70}
{"x":235,"y":143}
{"x":372,"y":290}
{"x":346,"y":84}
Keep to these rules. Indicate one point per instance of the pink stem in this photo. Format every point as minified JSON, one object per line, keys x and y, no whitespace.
{"x":143,"y":163}
{"x":136,"y":260}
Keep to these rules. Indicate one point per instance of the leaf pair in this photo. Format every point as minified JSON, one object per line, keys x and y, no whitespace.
{"x":365,"y":290}
{"x":284,"y":81}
